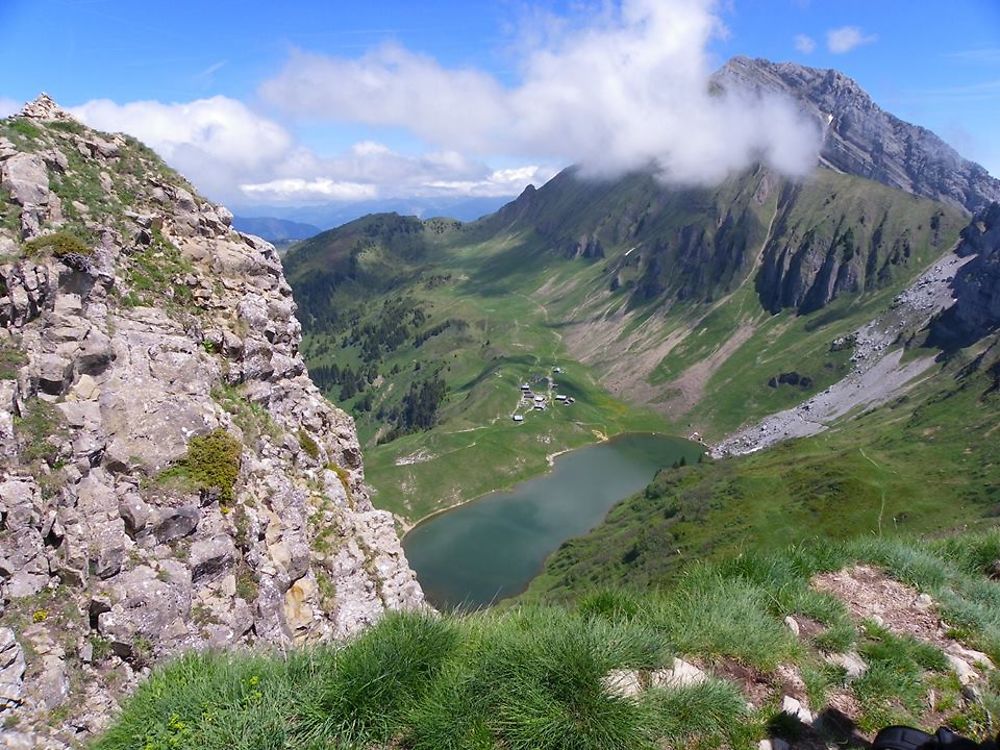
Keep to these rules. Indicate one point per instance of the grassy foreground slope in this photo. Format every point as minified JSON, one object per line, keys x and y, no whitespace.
{"x":925,"y":462}
{"x":592,"y":677}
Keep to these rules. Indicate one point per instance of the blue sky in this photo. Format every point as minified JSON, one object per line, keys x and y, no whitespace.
{"x":347,"y":100}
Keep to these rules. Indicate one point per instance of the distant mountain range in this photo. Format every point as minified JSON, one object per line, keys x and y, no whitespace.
{"x":275,"y":230}
{"x":284,"y":223}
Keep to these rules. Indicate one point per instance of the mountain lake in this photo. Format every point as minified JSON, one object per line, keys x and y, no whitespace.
{"x":490,"y":548}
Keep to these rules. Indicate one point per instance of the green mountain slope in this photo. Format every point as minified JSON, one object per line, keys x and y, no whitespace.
{"x":654,"y":302}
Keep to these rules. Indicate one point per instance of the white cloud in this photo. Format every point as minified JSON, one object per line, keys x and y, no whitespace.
{"x":234,"y":154}
{"x":372,"y":170}
{"x":8,"y":106}
{"x":846,"y":38}
{"x":804,"y":44}
{"x":628,"y":91}
{"x":214,"y":142}
{"x":320,"y":188}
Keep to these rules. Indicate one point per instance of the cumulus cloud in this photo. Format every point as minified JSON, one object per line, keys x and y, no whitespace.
{"x":804,"y":44}
{"x":631,"y":90}
{"x":235,"y":154}
{"x":846,"y":38}
{"x":212,"y":141}
{"x":373,"y":170}
{"x":320,"y":188}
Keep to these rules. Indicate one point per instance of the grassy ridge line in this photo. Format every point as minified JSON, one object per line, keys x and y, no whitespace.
{"x":924,"y":462}
{"x":533,"y":677}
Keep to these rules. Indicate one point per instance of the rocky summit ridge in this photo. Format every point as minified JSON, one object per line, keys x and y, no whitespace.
{"x":170,"y":477}
{"x":862,"y":139}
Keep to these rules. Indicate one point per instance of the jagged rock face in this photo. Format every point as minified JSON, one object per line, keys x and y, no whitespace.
{"x":862,"y":139}
{"x":976,"y":287}
{"x":830,"y":239}
{"x":119,"y":349}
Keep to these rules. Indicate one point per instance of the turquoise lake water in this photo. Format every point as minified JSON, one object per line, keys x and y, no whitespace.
{"x":491,"y":548}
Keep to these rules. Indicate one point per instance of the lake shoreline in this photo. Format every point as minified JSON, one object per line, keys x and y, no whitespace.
{"x":550,"y":461}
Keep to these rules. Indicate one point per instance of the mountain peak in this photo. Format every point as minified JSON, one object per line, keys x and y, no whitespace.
{"x":44,"y":108}
{"x":861,"y":138}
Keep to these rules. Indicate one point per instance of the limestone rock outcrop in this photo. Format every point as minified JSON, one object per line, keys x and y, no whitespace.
{"x":136,"y":328}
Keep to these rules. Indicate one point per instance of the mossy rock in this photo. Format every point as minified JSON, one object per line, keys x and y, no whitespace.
{"x":309,"y":445}
{"x":60,"y":245}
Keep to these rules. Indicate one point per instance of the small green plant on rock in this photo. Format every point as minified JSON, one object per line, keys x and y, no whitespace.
{"x":11,"y":360}
{"x":309,"y":445}
{"x":60,"y":245}
{"x":212,"y":463}
{"x":37,"y":427}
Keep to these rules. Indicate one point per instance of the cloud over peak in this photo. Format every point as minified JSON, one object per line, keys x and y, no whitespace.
{"x":631,"y":90}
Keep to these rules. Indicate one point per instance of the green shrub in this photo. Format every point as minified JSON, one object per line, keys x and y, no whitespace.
{"x":59,"y":245}
{"x":212,"y":463}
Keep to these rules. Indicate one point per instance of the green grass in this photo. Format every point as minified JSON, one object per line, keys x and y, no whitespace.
{"x":11,"y":360}
{"x":532,"y":677}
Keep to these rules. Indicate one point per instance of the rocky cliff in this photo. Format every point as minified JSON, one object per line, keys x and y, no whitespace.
{"x":976,"y":288}
{"x":862,"y":139}
{"x":170,"y":478}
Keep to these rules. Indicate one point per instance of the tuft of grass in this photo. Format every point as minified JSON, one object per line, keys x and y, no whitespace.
{"x":11,"y":360}
{"x":711,"y":710}
{"x":59,"y":245}
{"x":717,"y":617}
{"x":377,"y":678}
{"x":212,"y":464}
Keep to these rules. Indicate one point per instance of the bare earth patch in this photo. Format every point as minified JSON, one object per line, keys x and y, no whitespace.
{"x":689,"y":386}
{"x":871,"y":595}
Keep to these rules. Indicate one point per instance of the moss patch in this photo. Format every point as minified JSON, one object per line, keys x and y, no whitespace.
{"x":11,"y":360}
{"x":309,"y":445}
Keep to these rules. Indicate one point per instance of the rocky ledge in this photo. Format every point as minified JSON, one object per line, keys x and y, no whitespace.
{"x":170,"y":478}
